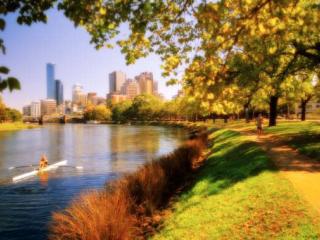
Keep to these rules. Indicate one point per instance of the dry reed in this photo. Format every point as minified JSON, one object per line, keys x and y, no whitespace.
{"x":114,"y":213}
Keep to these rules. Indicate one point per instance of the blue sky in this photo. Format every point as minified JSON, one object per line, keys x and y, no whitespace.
{"x":29,"y":48}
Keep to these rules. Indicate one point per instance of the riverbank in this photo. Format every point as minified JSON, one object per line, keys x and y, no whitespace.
{"x":15,"y":126}
{"x":239,"y":194}
{"x":129,"y":207}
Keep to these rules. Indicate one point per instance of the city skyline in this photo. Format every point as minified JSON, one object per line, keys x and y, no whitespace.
{"x":76,"y":60}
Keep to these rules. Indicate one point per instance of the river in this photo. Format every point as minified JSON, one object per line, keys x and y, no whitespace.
{"x":104,"y":152}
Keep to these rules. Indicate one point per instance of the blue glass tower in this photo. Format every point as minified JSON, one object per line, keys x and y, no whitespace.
{"x":59,"y":92}
{"x":50,"y":81}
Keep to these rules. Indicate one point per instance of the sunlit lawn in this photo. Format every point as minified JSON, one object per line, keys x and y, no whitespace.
{"x":239,"y":195}
{"x":14,"y":126}
{"x":305,"y":136}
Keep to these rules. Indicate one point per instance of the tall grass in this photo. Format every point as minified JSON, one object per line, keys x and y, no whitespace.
{"x":118,"y":211}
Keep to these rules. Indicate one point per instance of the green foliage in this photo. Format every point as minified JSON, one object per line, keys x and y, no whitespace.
{"x":9,"y":114}
{"x":120,"y":111}
{"x":99,"y":113}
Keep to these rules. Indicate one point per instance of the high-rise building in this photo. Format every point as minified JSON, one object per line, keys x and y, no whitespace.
{"x":35,"y":109}
{"x":58,"y":92}
{"x":51,"y":81}
{"x":48,"y":107}
{"x":116,"y":80}
{"x":145,"y":81}
{"x":92,"y":98}
{"x":77,"y":90}
{"x":130,"y":88}
{"x":155,"y":87}
{"x":26,"y":110}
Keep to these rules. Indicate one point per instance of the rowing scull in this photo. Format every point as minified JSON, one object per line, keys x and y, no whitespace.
{"x":36,"y":171}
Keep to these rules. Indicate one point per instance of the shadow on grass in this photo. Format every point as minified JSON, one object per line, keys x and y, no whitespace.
{"x":234,"y":159}
{"x":307,"y":143}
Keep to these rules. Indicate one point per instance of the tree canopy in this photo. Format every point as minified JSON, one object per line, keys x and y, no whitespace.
{"x":230,"y":50}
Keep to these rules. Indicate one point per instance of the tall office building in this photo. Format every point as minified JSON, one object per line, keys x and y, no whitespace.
{"x":116,"y":81}
{"x":92,"y":98}
{"x":145,"y":81}
{"x":58,"y":92}
{"x":155,"y":87}
{"x":35,"y":109}
{"x":130,"y":88}
{"x":51,"y":81}
{"x":78,"y":96}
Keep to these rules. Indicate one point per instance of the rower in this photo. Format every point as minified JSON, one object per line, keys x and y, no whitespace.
{"x":43,"y":162}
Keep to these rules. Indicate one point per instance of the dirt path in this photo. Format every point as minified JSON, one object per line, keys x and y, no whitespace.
{"x":302,"y":171}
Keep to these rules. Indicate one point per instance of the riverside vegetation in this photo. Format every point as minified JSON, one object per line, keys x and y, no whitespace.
{"x":121,"y":210}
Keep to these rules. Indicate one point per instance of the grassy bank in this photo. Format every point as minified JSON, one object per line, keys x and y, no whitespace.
{"x":15,"y":126}
{"x":128,"y":207}
{"x":304,"y":136}
{"x":239,"y":195}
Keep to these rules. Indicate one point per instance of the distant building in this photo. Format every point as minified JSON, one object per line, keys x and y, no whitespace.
{"x":155,"y":87}
{"x":67,"y":107}
{"x":35,"y":109}
{"x":50,"y":81}
{"x":48,"y":107}
{"x":78,"y":96}
{"x":92,"y":98}
{"x":145,"y":81}
{"x":130,"y":88}
{"x":116,"y":98}
{"x":26,"y":110}
{"x":101,"y":100}
{"x":58,"y":92}
{"x":61,"y":108}
{"x":116,"y":81}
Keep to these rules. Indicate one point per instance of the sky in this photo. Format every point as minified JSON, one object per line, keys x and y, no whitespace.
{"x":29,"y":48}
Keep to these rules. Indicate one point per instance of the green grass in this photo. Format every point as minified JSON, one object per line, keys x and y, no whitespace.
{"x":14,"y":126}
{"x":238,"y":195}
{"x":304,"y":136}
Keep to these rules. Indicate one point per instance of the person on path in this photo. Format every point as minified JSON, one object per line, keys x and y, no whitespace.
{"x":259,"y":124}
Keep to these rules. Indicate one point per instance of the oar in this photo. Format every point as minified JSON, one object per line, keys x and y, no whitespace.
{"x":24,"y":166}
{"x":77,"y":167}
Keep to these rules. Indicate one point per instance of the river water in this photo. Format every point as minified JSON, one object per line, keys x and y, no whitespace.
{"x":104,"y":152}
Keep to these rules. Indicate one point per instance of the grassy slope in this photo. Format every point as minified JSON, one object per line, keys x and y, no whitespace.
{"x":238,"y":195}
{"x":14,"y":126}
{"x":305,"y":136}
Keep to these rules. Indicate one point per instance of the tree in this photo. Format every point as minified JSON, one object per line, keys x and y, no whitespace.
{"x":201,"y":35}
{"x":99,"y":113}
{"x":120,"y":110}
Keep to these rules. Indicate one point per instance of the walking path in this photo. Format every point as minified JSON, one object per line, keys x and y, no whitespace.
{"x":302,"y":171}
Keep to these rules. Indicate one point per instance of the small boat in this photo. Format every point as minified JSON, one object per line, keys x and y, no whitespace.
{"x":36,"y":171}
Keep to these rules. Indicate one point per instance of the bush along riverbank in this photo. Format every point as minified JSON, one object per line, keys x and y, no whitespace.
{"x":13,"y":126}
{"x":128,"y":208}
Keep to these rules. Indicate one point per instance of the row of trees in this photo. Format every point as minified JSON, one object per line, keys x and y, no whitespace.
{"x":234,"y":54}
{"x":145,"y":108}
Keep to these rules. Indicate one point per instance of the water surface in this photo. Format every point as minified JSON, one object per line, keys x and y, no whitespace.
{"x":104,"y":152}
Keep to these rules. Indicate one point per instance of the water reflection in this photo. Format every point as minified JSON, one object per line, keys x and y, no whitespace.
{"x":104,"y":151}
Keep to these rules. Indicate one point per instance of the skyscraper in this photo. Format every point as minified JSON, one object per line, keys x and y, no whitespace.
{"x":145,"y":81}
{"x":130,"y":88}
{"x":116,"y":80}
{"x":51,"y":81}
{"x":58,"y":92}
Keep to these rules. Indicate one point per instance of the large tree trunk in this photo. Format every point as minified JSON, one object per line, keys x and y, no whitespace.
{"x":303,"y":109}
{"x":246,"y":113}
{"x":273,"y":111}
